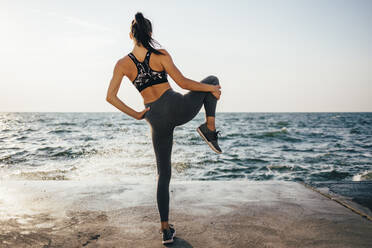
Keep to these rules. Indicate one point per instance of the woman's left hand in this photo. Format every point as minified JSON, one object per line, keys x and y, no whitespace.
{"x":216,"y":91}
{"x":141,"y":115}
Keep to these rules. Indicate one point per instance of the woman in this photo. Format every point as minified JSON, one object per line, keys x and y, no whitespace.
{"x":147,"y":68}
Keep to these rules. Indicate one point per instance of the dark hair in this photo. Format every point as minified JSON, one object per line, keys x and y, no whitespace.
{"x":141,"y":29}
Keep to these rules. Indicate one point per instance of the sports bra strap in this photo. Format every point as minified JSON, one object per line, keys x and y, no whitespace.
{"x":135,"y":60}
{"x":147,"y":58}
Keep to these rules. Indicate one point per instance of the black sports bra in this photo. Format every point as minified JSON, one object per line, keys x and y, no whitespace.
{"x":146,"y":76}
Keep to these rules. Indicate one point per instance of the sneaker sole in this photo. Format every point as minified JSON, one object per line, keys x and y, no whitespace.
{"x":168,"y":241}
{"x":209,"y":143}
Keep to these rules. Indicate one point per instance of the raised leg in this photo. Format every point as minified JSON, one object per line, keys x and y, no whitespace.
{"x":194,"y":100}
{"x":210,"y":101}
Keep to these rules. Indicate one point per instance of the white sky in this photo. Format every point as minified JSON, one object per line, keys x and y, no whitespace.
{"x":270,"y":56}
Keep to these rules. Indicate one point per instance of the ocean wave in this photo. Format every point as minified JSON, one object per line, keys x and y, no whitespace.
{"x":65,"y":124}
{"x":355,"y":131}
{"x":30,"y":130}
{"x":87,"y":138}
{"x":285,"y":168}
{"x":365,"y":146}
{"x":60,"y":152}
{"x":321,"y":135}
{"x":61,"y":131}
{"x":236,"y":161}
{"x":291,"y":149}
{"x":238,"y":135}
{"x":5,"y":158}
{"x":234,"y":170}
{"x":55,"y":175}
{"x":228,"y":176}
{"x":15,"y":158}
{"x":71,"y":153}
{"x":257,"y":146}
{"x":181,"y":166}
{"x":269,"y":134}
{"x":365,"y":176}
{"x":254,"y":160}
{"x":282,"y":134}
{"x":281,"y":124}
{"x":318,"y":158}
{"x":107,"y":124}
{"x":333,"y":175}
{"x":233,"y":119}
{"x":264,"y":177}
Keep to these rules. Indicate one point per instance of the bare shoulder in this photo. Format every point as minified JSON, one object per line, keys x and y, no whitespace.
{"x":166,"y":58}
{"x":124,"y":61}
{"x":164,"y":51}
{"x":123,"y":64}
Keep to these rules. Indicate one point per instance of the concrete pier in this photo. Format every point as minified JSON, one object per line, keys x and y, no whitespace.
{"x":205,"y":214}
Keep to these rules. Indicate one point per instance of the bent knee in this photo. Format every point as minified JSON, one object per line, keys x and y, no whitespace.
{"x":212,"y":79}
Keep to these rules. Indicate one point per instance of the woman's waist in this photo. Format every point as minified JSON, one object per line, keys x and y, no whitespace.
{"x":156,"y":94}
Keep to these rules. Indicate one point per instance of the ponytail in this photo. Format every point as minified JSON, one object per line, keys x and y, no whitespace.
{"x":141,"y":29}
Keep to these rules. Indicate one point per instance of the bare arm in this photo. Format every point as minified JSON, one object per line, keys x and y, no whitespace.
{"x":181,"y":80}
{"x":118,"y":74}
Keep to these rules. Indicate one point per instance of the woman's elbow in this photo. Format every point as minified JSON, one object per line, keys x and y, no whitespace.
{"x":109,"y":98}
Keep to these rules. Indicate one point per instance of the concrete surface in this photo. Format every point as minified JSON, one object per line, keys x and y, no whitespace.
{"x":205,"y":214}
{"x":356,"y":194}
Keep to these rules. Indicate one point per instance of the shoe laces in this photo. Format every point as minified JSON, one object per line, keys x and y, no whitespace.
{"x":217,"y":133}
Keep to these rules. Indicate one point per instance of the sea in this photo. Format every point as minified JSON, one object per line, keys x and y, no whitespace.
{"x":111,"y":146}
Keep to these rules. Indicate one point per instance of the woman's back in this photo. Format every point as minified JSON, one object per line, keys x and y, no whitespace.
{"x":143,"y":64}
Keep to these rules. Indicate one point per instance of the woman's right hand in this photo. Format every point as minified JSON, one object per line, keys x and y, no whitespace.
{"x":216,"y":91}
{"x":141,"y":115}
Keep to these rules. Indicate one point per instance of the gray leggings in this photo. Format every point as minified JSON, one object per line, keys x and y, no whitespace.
{"x":173,"y":109}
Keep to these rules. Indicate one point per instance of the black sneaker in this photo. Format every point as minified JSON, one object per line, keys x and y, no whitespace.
{"x":168,"y":234}
{"x":210,"y":137}
{"x":173,"y":231}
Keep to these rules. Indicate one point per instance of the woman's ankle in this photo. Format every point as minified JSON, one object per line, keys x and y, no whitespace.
{"x":211,"y":127}
{"x":164,"y":225}
{"x":211,"y":123}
